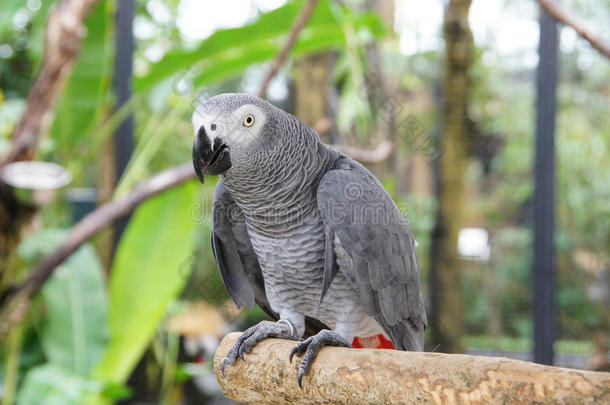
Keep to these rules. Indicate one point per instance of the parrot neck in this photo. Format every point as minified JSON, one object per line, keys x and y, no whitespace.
{"x":282,"y":196}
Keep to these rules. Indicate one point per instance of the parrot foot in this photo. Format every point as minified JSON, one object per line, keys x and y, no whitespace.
{"x":311,"y":346}
{"x":252,"y":336}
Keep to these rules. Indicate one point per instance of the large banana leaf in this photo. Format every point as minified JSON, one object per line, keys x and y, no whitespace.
{"x":73,"y":333}
{"x":146,"y":278}
{"x":229,"y":51}
{"x":83,"y":95}
{"x":50,"y":385}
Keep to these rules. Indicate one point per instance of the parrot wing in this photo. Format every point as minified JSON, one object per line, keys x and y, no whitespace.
{"x":369,"y":241}
{"x":233,"y":251}
{"x":236,"y":259}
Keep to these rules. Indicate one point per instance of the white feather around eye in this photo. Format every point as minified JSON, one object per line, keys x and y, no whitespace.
{"x":229,"y":126}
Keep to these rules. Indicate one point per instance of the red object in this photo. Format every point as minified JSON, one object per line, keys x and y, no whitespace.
{"x":372,"y":342}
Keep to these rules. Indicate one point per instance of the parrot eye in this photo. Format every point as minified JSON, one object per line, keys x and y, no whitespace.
{"x":249,"y":120}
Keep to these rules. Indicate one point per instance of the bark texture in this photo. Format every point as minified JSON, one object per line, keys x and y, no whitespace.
{"x":447,"y":319}
{"x":381,"y":376}
{"x":311,"y":79}
{"x":297,"y":25}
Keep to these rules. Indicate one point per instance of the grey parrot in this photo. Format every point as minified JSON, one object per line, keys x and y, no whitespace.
{"x":305,"y":232}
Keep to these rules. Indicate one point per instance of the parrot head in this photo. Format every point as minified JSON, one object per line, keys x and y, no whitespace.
{"x":232,"y":131}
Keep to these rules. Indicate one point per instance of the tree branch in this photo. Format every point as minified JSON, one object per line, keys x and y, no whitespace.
{"x":17,"y":300}
{"x":381,"y":376}
{"x":105,"y":215}
{"x":299,"y":23}
{"x":63,"y":33}
{"x":377,"y":155}
{"x":556,"y":11}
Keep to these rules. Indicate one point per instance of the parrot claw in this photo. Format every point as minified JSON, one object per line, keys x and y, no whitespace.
{"x":311,"y":346}
{"x":252,"y":336}
{"x":225,"y":361}
{"x":297,"y":350}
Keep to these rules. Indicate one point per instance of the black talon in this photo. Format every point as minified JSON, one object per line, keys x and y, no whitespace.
{"x":223,"y":365}
{"x":251,"y":337}
{"x":312,"y":346}
{"x":299,"y":349}
{"x":291,"y":355}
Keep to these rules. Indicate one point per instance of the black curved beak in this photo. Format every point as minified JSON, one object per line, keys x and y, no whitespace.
{"x":209,"y":158}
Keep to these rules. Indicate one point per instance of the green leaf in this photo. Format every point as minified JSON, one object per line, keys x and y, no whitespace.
{"x":40,"y":244}
{"x":74,"y":335}
{"x":36,"y":35}
{"x":229,"y":51}
{"x":227,"y":64}
{"x":49,"y":385}
{"x":82,"y":97}
{"x":268,"y":26}
{"x":145,"y":277}
{"x":10,"y":112}
{"x":7,"y":12}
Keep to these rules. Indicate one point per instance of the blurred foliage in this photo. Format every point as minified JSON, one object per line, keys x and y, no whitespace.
{"x":583,"y":196}
{"x":72,"y":334}
{"x":145,"y":277}
{"x":524,"y":344}
{"x":85,"y":95}
{"x":229,"y":51}
{"x":84,"y":335}
{"x":49,"y":384}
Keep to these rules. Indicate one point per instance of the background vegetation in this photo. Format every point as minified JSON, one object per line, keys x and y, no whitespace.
{"x":126,"y":322}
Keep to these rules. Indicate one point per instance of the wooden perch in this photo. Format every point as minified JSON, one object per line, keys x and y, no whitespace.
{"x":378,"y":376}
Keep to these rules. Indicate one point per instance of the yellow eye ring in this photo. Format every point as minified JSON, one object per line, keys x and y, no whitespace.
{"x":248,"y":120}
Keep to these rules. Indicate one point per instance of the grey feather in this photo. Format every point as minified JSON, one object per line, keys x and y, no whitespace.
{"x":286,"y":221}
{"x":237,"y":261}
{"x":375,"y":251}
{"x":330,"y":263}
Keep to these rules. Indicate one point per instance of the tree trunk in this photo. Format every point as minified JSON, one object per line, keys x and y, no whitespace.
{"x":381,"y":376}
{"x":447,"y":320}
{"x":381,"y":87}
{"x":311,"y":81}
